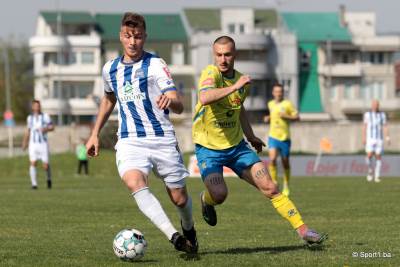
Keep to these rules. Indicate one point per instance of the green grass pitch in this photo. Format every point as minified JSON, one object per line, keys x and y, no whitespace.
{"x":74,"y":223}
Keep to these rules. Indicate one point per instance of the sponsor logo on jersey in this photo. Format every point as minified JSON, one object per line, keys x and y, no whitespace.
{"x":139,"y":73}
{"x":225,"y":124}
{"x":208,"y":82}
{"x":166,"y":70}
{"x":131,"y":93}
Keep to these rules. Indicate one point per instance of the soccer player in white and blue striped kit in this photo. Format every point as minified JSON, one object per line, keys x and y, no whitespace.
{"x":374,"y":130}
{"x":38,"y":125}
{"x":141,"y":86}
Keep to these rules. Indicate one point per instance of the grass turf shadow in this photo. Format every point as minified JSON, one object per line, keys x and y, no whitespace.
{"x":246,"y":250}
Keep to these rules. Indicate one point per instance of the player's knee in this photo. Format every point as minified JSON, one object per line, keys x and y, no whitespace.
{"x":33,"y":163}
{"x":269,"y":190}
{"x":219,"y":195}
{"x":179,"y":199}
{"x":273,"y":162}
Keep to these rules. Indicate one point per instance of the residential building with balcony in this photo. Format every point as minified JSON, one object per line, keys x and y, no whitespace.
{"x":67,"y":61}
{"x":343,"y":64}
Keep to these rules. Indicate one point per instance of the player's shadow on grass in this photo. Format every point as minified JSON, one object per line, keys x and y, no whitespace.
{"x":270,"y":250}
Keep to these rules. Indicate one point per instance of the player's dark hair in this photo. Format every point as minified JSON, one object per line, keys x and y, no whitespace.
{"x":277,"y":84}
{"x":133,"y":20}
{"x":34,"y":101}
{"x":224,"y":39}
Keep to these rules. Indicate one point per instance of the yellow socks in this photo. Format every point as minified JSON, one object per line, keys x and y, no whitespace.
{"x":208,"y":199}
{"x":273,"y":172}
{"x":287,"y":210}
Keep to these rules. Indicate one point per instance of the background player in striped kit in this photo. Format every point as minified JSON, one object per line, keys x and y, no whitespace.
{"x":143,"y":88}
{"x":375,"y":128}
{"x":38,"y":125}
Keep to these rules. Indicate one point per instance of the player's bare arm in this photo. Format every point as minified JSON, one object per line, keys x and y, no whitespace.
{"x":106,"y":107}
{"x":266,"y":118}
{"x":256,"y":142}
{"x":289,"y":117}
{"x":25,"y":139}
{"x":364,"y":134}
{"x":386,"y":133}
{"x":48,"y":128}
{"x":212,"y":95}
{"x":170,"y":99}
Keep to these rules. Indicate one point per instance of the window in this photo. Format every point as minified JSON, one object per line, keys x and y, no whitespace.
{"x":87,"y":58}
{"x":332,"y":93}
{"x":380,"y":57}
{"x":347,"y":91}
{"x":374,"y":90}
{"x":241,"y":28}
{"x":67,"y":58}
{"x":376,"y":58}
{"x":305,"y":57}
{"x":231,"y":28}
{"x":72,"y":89}
{"x":49,"y":58}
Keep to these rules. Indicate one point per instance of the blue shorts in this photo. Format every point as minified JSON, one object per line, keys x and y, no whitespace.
{"x":238,"y":158}
{"x":283,"y":147}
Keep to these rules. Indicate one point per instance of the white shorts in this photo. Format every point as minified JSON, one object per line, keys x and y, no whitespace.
{"x":161,"y":154}
{"x":374,"y":146}
{"x":39,"y":151}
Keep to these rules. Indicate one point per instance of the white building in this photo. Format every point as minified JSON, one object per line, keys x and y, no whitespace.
{"x":67,"y":63}
{"x":362,"y":70}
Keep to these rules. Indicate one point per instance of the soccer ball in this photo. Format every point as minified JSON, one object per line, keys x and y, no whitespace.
{"x":129,"y":245}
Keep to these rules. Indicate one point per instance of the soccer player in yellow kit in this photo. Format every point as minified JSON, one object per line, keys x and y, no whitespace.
{"x":219,"y":123}
{"x":281,"y":113}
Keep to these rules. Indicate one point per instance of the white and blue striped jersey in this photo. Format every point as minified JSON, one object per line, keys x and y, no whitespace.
{"x":136,"y":87}
{"x":35,"y":123}
{"x":374,"y":122}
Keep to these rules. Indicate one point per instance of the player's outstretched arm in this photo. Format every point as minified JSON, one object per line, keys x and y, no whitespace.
{"x":212,"y":95}
{"x":256,"y":142}
{"x":106,"y":107}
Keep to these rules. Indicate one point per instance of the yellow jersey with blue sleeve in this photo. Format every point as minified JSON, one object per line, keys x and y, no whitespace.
{"x":217,"y":125}
{"x":279,"y":128}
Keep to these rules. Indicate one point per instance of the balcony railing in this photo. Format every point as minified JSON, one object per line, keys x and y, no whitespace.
{"x":341,"y":70}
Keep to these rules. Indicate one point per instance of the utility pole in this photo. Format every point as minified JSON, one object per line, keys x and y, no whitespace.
{"x":59,"y":59}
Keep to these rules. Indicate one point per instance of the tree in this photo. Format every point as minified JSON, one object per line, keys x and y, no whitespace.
{"x":21,"y":79}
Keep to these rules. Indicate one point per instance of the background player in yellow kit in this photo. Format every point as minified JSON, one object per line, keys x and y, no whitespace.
{"x":219,"y":123}
{"x":281,"y":113}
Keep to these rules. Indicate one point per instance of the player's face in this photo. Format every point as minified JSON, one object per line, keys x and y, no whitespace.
{"x":375,"y":105}
{"x":277,"y":93}
{"x":132,"y":39}
{"x":35,"y":107}
{"x":224,"y":57}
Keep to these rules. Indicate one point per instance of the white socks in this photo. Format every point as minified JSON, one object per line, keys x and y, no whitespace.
{"x":32,"y":172}
{"x":151,"y":207}
{"x":185,"y":214}
{"x":369,"y":163}
{"x":378,"y":166}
